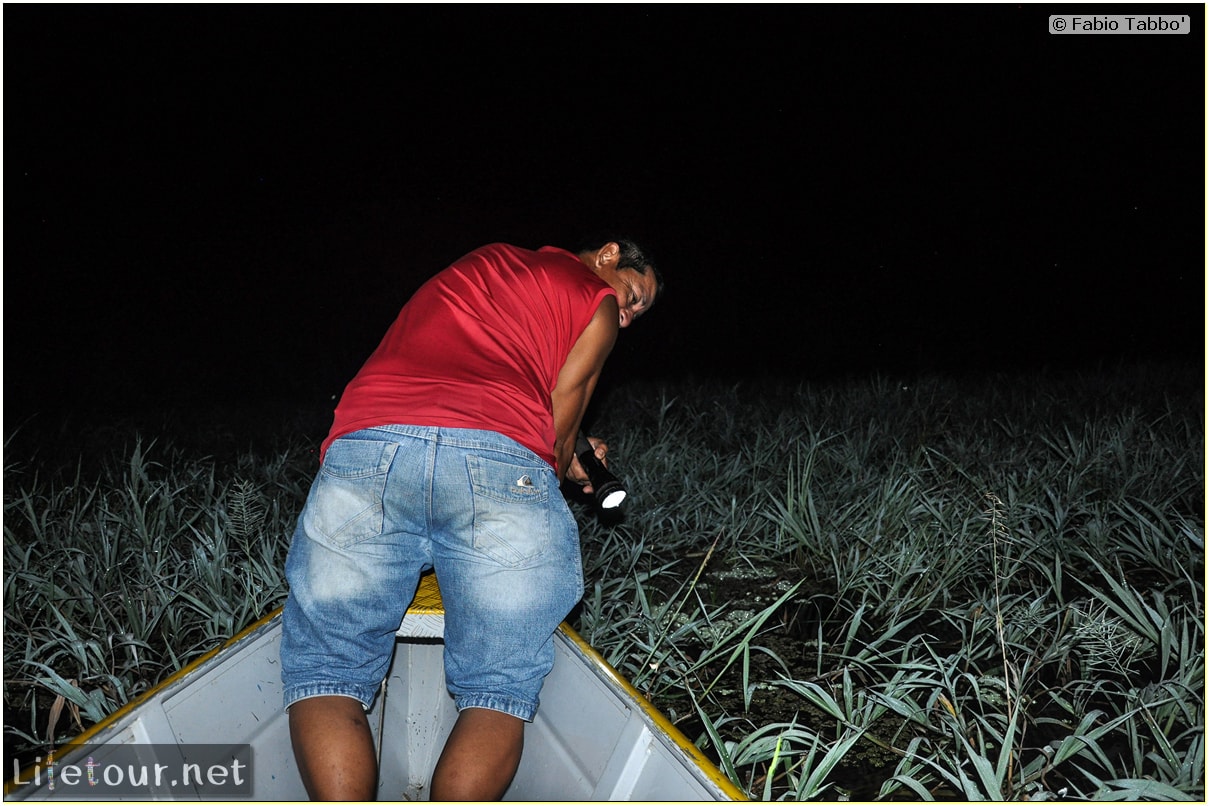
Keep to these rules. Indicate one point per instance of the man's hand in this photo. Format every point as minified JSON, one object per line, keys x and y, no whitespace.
{"x":576,"y":472}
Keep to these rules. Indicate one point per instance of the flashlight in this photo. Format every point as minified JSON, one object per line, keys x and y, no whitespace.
{"x":608,"y":490}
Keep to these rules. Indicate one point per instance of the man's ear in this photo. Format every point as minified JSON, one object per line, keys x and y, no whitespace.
{"x":608,"y":255}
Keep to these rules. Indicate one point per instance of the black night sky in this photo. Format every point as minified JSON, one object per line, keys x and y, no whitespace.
{"x":218,"y":203}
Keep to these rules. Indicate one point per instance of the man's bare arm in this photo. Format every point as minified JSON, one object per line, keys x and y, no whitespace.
{"x":577,"y":380}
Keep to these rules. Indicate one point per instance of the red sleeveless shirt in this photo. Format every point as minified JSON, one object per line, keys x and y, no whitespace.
{"x":480,"y":345}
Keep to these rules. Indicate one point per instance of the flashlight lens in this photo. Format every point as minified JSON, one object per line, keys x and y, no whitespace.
{"x":613,"y":499}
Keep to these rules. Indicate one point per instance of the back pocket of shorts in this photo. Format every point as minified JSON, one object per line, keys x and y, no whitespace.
{"x":511,"y":512}
{"x":345,"y":506}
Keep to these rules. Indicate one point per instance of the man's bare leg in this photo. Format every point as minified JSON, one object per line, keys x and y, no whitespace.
{"x":334,"y":748}
{"x":480,"y":757}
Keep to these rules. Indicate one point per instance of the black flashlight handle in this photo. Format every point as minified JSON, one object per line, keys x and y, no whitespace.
{"x":608,"y":491}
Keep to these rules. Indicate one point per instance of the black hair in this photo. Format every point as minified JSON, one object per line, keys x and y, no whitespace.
{"x":632,"y":256}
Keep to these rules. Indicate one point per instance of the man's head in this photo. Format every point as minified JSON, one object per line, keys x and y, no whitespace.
{"x":629,"y":270}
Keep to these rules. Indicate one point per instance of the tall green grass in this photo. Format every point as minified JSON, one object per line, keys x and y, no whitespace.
{"x":932,"y":588}
{"x":116,"y":579}
{"x":999,"y":581}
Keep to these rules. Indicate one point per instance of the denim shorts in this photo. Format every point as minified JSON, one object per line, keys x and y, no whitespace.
{"x":392,"y":502}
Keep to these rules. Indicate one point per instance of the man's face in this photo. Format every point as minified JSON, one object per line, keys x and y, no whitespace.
{"x":635,"y":293}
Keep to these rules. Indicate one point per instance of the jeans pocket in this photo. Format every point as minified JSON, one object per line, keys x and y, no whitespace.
{"x":345,"y":504}
{"x":511,"y":509}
